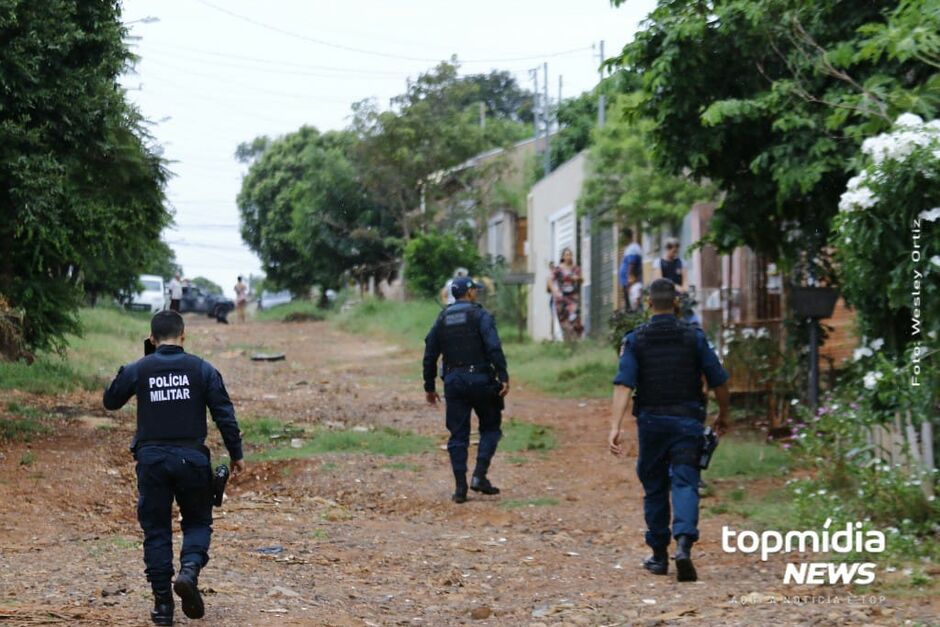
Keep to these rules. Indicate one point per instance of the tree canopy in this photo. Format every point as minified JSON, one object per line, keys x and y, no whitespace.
{"x":625,"y":184}
{"x":306,"y":213}
{"x":770,"y":100}
{"x":81,"y":187}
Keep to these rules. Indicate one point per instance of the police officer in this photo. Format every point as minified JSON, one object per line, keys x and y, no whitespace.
{"x":173,"y":390}
{"x":466,"y":335}
{"x":663,"y":362}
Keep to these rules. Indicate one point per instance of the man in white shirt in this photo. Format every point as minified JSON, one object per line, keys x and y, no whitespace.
{"x":176,"y":292}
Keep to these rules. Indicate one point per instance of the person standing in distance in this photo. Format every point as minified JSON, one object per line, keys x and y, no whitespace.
{"x":241,"y":299}
{"x":176,"y":292}
{"x":670,"y":266}
{"x":173,"y":390}
{"x":664,"y":361}
{"x":465,"y":334}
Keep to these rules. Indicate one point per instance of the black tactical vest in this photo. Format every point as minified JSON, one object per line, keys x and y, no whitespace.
{"x":458,"y":329}
{"x":669,"y":369}
{"x":171,"y":398}
{"x":671,"y":269}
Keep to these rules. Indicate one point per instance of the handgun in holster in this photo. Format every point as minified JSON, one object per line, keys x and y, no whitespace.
{"x":710,"y":443}
{"x":219,"y":479}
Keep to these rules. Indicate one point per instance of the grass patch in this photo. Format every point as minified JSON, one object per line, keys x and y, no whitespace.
{"x":525,"y":436}
{"x":739,"y":457}
{"x":580,"y":370}
{"x":267,"y":430}
{"x":387,"y":441}
{"x":111,"y":337}
{"x":21,"y":429}
{"x":402,"y":466}
{"x":407,"y":322}
{"x":544,"y":501}
{"x":294,"y":310}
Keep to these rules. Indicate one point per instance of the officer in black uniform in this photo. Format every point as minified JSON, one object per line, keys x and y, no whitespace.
{"x":664,"y":361}
{"x":475,"y":378}
{"x":173,"y":390}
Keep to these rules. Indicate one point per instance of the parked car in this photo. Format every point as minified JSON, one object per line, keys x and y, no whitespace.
{"x":273,"y":299}
{"x":151,"y":297}
{"x":195,"y":299}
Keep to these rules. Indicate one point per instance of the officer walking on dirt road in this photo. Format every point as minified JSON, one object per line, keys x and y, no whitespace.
{"x":475,"y":378}
{"x":173,"y":390}
{"x":663,"y":361}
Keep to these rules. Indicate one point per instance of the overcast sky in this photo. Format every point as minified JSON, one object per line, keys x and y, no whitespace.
{"x":214,"y":73}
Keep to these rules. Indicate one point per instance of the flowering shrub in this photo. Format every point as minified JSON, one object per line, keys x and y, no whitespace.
{"x":884,"y":232}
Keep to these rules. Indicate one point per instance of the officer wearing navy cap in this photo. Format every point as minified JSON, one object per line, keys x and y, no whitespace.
{"x":475,"y":379}
{"x":173,"y":390}
{"x":662,"y":364}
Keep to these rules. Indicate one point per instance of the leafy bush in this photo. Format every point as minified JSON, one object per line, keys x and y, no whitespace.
{"x":888,"y":214}
{"x":622,"y":322}
{"x":431,"y":258}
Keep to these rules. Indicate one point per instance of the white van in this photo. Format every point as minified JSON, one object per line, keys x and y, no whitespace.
{"x":152,"y":297}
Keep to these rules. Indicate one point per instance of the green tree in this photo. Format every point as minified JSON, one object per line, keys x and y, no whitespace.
{"x":431,"y":258}
{"x":577,"y":117}
{"x":433,"y":126}
{"x":769,"y":100}
{"x":306,"y":213}
{"x":625,"y":184}
{"x":81,"y":187}
{"x":161,"y":261}
{"x":208,"y":285}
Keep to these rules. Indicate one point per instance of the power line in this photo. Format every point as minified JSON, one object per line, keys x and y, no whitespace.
{"x":375,"y":53}
{"x":277,"y":62}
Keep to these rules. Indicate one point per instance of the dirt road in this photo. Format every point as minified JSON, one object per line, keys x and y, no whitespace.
{"x":370,"y":540}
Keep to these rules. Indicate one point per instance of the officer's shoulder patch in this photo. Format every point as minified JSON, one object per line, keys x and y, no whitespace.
{"x":457,"y":317}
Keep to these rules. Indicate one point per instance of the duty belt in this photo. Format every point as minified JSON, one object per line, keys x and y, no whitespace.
{"x":485,"y":368}
{"x":684,"y":411}
{"x":195,"y":445}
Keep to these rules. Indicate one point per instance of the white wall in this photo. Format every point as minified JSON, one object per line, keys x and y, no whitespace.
{"x":548,"y":198}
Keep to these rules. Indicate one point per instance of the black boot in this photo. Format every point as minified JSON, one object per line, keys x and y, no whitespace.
{"x":480,"y":483}
{"x":460,"y":491}
{"x":658,"y":562}
{"x":685,"y":571}
{"x":187,"y":587}
{"x":162,"y":612}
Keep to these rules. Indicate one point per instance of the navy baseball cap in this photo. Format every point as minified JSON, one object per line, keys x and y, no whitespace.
{"x":461,"y":285}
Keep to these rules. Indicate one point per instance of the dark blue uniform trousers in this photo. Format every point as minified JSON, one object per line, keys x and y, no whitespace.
{"x":670,"y":448}
{"x":165,"y":472}
{"x":463,"y":392}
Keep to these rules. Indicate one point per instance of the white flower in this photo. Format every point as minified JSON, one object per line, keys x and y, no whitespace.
{"x":859,"y":198}
{"x":861,"y":352}
{"x":871,"y":379}
{"x":930,"y":216}
{"x":877,"y":344}
{"x":748,"y":332}
{"x":763,"y":332}
{"x":909,"y":120}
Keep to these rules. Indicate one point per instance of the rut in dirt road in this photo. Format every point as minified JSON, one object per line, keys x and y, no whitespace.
{"x":366,"y":539}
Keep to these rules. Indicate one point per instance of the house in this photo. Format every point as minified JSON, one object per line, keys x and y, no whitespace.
{"x":486,"y":193}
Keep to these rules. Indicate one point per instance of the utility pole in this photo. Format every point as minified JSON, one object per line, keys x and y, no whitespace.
{"x":547,"y":157}
{"x":559,"y":89}
{"x":534,"y":74}
{"x":601,"y":100}
{"x":482,"y":115}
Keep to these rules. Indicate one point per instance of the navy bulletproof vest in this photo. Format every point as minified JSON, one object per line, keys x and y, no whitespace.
{"x":458,"y":329}
{"x":171,"y":398}
{"x":669,"y":369}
